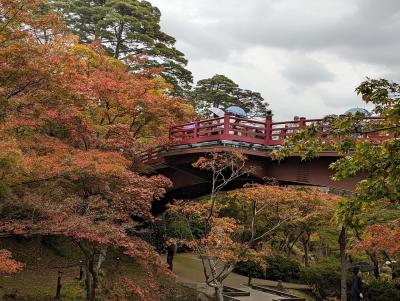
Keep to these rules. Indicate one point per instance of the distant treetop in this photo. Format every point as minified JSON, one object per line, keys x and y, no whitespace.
{"x":221,"y":92}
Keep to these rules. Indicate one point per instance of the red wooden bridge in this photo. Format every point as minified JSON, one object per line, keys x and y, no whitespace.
{"x":255,"y":138}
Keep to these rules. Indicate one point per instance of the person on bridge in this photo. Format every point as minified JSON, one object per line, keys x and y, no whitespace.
{"x":356,"y":286}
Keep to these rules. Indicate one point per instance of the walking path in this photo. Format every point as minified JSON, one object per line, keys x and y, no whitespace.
{"x":189,"y":269}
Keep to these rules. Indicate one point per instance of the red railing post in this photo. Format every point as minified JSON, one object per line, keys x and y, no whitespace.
{"x":196,"y":129}
{"x":302,"y":122}
{"x":170,"y":137}
{"x":226,"y":129}
{"x":268,"y":128}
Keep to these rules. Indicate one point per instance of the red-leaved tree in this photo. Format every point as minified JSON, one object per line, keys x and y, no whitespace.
{"x":71,"y":122}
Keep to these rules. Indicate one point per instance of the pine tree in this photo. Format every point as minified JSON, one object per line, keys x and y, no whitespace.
{"x":128,"y":28}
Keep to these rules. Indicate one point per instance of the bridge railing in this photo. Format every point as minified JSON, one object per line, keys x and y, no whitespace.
{"x":284,"y":129}
{"x":266,"y":133}
{"x":255,"y":132}
{"x":236,"y":129}
{"x":222,"y":128}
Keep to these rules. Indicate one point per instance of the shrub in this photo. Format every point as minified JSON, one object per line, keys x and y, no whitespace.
{"x":278,"y":268}
{"x":179,"y":227}
{"x":282,"y":268}
{"x":381,"y":290}
{"x":323,"y":277}
{"x":246,"y":267}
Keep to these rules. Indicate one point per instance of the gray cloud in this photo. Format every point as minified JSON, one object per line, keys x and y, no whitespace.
{"x":358,"y":29}
{"x":305,"y":73}
{"x":319,"y":50}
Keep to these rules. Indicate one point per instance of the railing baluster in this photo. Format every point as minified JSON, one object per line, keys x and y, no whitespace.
{"x":268,"y":131}
{"x":196,"y":130}
{"x":226,"y":129}
{"x":302,"y":122}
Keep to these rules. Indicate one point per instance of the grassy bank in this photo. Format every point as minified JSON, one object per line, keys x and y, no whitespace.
{"x":45,"y":258}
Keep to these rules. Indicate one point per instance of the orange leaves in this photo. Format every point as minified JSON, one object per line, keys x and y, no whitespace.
{"x":10,"y":157}
{"x":292,"y":200}
{"x":126,"y":289}
{"x":379,"y":238}
{"x":263,"y":209}
{"x":70,"y":121}
{"x":221,"y":233}
{"x":220,"y":161}
{"x":69,"y":126}
{"x":221,"y":241}
{"x":135,"y":99}
{"x":7,"y":264}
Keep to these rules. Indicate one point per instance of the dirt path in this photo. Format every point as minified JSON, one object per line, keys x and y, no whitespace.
{"x":188,"y":269}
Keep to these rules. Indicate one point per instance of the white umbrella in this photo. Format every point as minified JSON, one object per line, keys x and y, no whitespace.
{"x":189,"y":126}
{"x":217,"y":111}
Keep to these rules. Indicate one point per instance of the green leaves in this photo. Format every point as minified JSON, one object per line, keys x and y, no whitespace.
{"x":368,"y":148}
{"x":128,"y":28}
{"x":222,"y":92}
{"x":384,"y":95}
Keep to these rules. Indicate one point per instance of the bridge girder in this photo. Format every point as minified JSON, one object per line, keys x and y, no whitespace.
{"x":190,"y":182}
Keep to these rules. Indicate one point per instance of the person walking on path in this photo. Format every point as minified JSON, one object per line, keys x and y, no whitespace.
{"x":356,"y":286}
{"x":172,"y":248}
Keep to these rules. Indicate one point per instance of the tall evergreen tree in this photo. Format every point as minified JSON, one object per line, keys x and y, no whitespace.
{"x":221,"y":92}
{"x":126,"y":28}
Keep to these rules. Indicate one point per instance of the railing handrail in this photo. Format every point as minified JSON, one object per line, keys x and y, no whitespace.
{"x":241,"y":129}
{"x":231,"y":128}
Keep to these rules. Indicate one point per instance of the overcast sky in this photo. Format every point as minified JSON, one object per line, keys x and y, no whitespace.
{"x":304,"y":56}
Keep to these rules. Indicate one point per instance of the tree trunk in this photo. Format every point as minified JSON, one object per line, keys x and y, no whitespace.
{"x":102,"y":258}
{"x":118,"y":36}
{"x":93,"y":275}
{"x":374,"y":260}
{"x":305,"y":247}
{"x":87,"y":281}
{"x":219,"y":293}
{"x":343,"y":264}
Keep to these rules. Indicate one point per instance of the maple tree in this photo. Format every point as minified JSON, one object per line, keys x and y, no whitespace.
{"x":72,"y":121}
{"x":316,"y":211}
{"x":7,"y":264}
{"x":224,"y":240}
{"x":133,"y":103}
{"x":225,"y":167}
{"x":379,"y":144}
{"x":380,"y":238}
{"x":366,"y":224}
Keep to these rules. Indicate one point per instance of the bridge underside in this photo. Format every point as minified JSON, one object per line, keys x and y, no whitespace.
{"x":190,"y":182}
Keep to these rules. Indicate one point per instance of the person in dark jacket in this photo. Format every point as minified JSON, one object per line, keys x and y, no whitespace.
{"x":172,"y":248}
{"x":356,"y":286}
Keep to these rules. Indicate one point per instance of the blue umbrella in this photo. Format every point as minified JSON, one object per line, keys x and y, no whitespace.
{"x":354,"y":111}
{"x":236,"y":111}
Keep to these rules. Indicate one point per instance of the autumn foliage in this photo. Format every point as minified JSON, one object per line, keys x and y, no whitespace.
{"x":226,"y":240}
{"x":7,"y":264}
{"x":379,"y":238}
{"x":72,"y":121}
